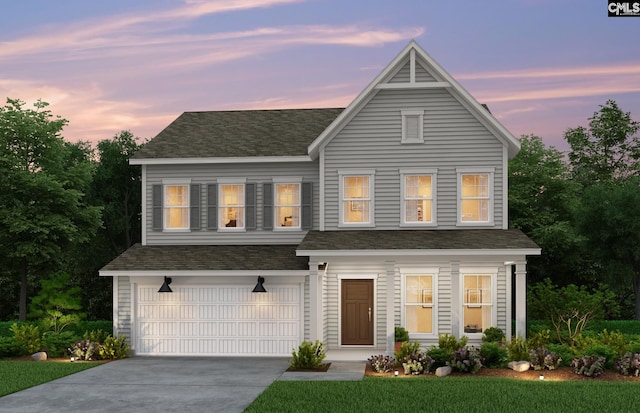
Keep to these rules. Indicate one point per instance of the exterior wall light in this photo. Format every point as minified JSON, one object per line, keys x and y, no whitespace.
{"x":165,"y":286}
{"x":259,"y":288}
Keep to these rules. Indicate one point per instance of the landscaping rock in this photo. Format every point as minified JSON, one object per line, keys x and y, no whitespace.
{"x":40,"y":356}
{"x":519,"y":366}
{"x":443,"y":371}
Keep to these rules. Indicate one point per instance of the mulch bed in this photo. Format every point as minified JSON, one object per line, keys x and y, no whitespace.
{"x":560,"y":374}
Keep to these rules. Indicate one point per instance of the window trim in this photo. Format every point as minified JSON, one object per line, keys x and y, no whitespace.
{"x":433,"y":173}
{"x":293,"y":181}
{"x":221,"y":206}
{"x":410,"y":113}
{"x":490,"y":172}
{"x":483,"y":271}
{"x":417,"y":271}
{"x":176,"y":182}
{"x":350,"y":173}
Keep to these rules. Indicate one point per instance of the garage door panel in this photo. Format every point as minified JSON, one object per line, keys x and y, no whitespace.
{"x":218,"y":321}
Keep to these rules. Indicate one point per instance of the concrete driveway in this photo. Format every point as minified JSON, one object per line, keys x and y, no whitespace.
{"x":154,"y":384}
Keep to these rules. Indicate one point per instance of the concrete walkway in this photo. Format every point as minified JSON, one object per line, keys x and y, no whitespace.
{"x":167,"y":384}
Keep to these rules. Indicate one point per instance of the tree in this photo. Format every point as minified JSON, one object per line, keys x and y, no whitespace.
{"x":42,"y":178}
{"x":542,"y":202}
{"x":610,"y":219}
{"x":57,"y":304}
{"x":608,"y":150}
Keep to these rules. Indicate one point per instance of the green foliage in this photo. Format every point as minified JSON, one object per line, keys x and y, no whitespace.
{"x":114,"y":348}
{"x":569,"y":308}
{"x":517,"y":349}
{"x":540,"y":339}
{"x":494,"y":355}
{"x":493,"y":335}
{"x":406,"y":349}
{"x":309,"y":355}
{"x":417,"y":363}
{"x":629,"y":364}
{"x":9,"y":347}
{"x":57,"y":304}
{"x":564,"y":352}
{"x":542,"y":358}
{"x":401,"y":334}
{"x":56,"y":344}
{"x":27,"y":335}
{"x":450,"y":342}
{"x":615,"y":340}
{"x":441,"y":356}
{"x":628,"y":327}
{"x":84,"y":350}
{"x":382,"y":363}
{"x":604,"y":351}
{"x":590,"y":366}
{"x":97,"y":336}
{"x":466,"y":360}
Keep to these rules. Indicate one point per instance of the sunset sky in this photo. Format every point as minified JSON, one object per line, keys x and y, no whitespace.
{"x":542,"y":66}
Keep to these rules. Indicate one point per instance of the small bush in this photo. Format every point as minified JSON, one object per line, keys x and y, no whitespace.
{"x":308,"y":356}
{"x":382,"y":363}
{"x":466,"y":360}
{"x":96,"y":336}
{"x":590,"y":366}
{"x":493,"y":335}
{"x":401,"y":334}
{"x":417,"y":363}
{"x":450,"y":342}
{"x":518,"y":350}
{"x":27,"y":335}
{"x":634,"y":347}
{"x":56,"y":344}
{"x":629,"y":364}
{"x":441,"y":357}
{"x":84,"y":350}
{"x":114,"y":348}
{"x":615,"y":340}
{"x":606,"y":352}
{"x":406,"y":350}
{"x":540,"y":339}
{"x":541,"y":358}
{"x":564,"y":352}
{"x":493,"y":355}
{"x":9,"y":347}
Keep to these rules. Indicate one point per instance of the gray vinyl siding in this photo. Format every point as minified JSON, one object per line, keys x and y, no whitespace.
{"x":404,"y":76}
{"x":209,"y":174}
{"x":124,"y":306}
{"x":453,"y":138}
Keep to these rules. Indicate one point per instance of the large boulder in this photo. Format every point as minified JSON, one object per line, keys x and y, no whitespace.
{"x":519,"y":366}
{"x":39,"y":356}
{"x":443,"y":371}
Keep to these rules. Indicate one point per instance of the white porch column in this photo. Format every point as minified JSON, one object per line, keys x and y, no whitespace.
{"x":456,"y":304}
{"x":508,"y":267}
{"x":391,"y":285}
{"x":315,"y":303}
{"x":521,"y":299}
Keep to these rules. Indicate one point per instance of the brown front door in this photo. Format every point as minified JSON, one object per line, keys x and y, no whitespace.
{"x":357,"y":312}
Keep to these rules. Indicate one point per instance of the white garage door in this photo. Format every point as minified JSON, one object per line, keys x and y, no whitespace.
{"x":218,"y":320}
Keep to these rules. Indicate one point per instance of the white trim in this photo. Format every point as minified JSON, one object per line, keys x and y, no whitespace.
{"x":485,"y":271}
{"x":283,"y":181}
{"x":416,"y":85}
{"x":417,"y":271}
{"x":373,"y":314}
{"x":219,"y":160}
{"x":166,"y":183}
{"x":115,"y":306}
{"x":231,"y":181}
{"x":411,"y":113}
{"x":412,"y":66}
{"x":322,"y":183}
{"x":417,"y":252}
{"x":203,"y":273}
{"x":370,"y":173}
{"x":176,"y":181}
{"x":143,"y":200}
{"x":357,"y":276}
{"x":286,"y":179}
{"x":490,"y":172}
{"x":433,"y":222}
{"x":220,"y":207}
{"x":505,"y":188}
{"x":353,"y":172}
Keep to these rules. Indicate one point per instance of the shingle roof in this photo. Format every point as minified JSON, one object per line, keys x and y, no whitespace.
{"x":471,"y":239}
{"x":242,"y":133}
{"x":208,"y":257}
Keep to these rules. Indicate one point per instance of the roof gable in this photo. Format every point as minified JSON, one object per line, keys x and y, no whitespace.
{"x":243,"y":133}
{"x":413,"y":68}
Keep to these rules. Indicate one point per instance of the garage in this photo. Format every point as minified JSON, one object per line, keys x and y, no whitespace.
{"x":218,"y":320}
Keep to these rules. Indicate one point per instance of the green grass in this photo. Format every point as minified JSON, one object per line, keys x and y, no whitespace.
{"x":20,"y":375}
{"x":449,"y":394}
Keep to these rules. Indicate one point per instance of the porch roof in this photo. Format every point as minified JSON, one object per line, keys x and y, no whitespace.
{"x":208,"y":258}
{"x":464,"y":239}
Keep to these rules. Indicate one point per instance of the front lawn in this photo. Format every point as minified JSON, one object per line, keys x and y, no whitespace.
{"x":448,"y":394}
{"x":20,"y":375}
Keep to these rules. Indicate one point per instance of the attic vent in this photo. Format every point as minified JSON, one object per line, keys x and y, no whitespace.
{"x":412,"y":126}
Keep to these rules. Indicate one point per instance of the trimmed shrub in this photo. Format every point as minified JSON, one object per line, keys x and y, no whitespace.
{"x":466,"y":360}
{"x":401,"y":334}
{"x":382,"y":363}
{"x":97,"y":336}
{"x":115,"y":348}
{"x":417,"y":363}
{"x":518,"y":350}
{"x":450,"y":342}
{"x":441,"y":357}
{"x":493,"y":335}
{"x":56,"y":345}
{"x":406,"y":349}
{"x":590,"y":366}
{"x":493,"y":355}
{"x":27,"y":335}
{"x":603,"y":351}
{"x":615,"y":340}
{"x":564,"y":352}
{"x":10,"y":348}
{"x":540,"y":339}
{"x":308,"y":356}
{"x":629,"y":364}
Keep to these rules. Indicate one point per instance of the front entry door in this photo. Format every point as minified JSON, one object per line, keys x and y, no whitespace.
{"x":357,"y":312}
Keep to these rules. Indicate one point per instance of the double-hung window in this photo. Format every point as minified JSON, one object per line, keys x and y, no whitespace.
{"x":356,"y":197}
{"x":231,"y":208}
{"x":418,"y":200}
{"x":419,"y":303}
{"x":176,"y":207}
{"x":477,"y":302}
{"x":475,"y":197}
{"x":287,"y":205}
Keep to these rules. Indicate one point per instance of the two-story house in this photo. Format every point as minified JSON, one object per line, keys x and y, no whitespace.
{"x":391,"y":212}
